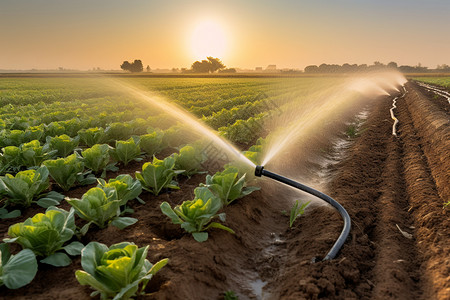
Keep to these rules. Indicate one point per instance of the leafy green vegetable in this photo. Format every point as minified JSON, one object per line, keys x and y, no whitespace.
{"x":195,"y":216}
{"x":152,"y":143}
{"x":100,"y":207}
{"x":10,"y":159}
{"x":127,"y":188}
{"x":45,"y":234}
{"x":97,"y":159}
{"x":158,"y":174}
{"x":67,"y":171}
{"x":54,"y":129}
{"x":120,"y":271}
{"x":119,"y":131}
{"x":296,"y":211}
{"x":92,"y":136}
{"x":127,"y":151}
{"x":16,"y":270}
{"x":28,"y":186}
{"x":228,"y":186}
{"x":190,"y":160}
{"x":33,"y":154}
{"x":64,"y":144}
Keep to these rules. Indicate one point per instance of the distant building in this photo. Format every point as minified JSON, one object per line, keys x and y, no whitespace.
{"x":258,"y":69}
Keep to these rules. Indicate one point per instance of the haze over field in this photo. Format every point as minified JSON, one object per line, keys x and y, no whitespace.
{"x":47,"y":34}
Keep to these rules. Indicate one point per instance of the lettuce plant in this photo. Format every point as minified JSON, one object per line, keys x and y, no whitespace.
{"x":64,"y":144}
{"x":228,"y":186}
{"x":33,"y":154}
{"x":127,"y":188}
{"x":34,"y":133}
{"x":45,"y":234}
{"x":92,"y":136}
{"x":127,"y":151}
{"x":118,"y":131}
{"x":67,"y":171}
{"x":152,"y":143}
{"x":27,"y":186}
{"x":16,"y":270}
{"x":190,"y":159}
{"x":54,"y":129}
{"x":10,"y":159}
{"x":100,"y":207}
{"x":195,"y":216}
{"x":97,"y":159}
{"x":158,"y":174}
{"x":119,"y":272}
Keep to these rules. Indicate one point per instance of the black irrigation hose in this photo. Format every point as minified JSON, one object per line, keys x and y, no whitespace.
{"x":259,"y":171}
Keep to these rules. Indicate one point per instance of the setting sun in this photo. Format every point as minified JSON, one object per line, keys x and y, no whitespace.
{"x":208,"y":39}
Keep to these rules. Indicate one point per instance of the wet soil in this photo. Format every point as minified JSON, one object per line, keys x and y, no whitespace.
{"x":392,"y":187}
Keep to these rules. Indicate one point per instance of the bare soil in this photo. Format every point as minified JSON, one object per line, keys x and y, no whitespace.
{"x":387,"y":184}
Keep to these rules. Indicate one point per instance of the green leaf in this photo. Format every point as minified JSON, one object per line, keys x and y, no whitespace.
{"x":168,"y":211}
{"x":220,"y":226}
{"x":122,"y":222}
{"x":19,"y":269}
{"x":74,"y":248}
{"x":57,"y":259}
{"x":200,"y":236}
{"x":85,"y":278}
{"x":4,"y":214}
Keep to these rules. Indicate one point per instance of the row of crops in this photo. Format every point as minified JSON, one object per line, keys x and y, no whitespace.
{"x":57,"y":135}
{"x":442,"y":81}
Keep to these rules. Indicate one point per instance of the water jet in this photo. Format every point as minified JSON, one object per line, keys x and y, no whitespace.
{"x":260,"y":171}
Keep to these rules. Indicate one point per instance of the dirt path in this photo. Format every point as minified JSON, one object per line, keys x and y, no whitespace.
{"x":387,"y":184}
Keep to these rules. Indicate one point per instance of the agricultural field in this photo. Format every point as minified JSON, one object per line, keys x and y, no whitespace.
{"x":152,"y":180}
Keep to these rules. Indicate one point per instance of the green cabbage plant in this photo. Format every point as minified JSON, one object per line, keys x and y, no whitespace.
{"x":64,"y":144}
{"x":97,"y":159}
{"x":190,"y":159}
{"x":195,"y":216}
{"x":228,"y":186}
{"x":27,"y":187}
{"x":119,"y":272}
{"x":16,"y":270}
{"x":127,"y":151}
{"x":45,"y":234}
{"x":152,"y":142}
{"x":33,"y":154}
{"x":100,"y":207}
{"x":158,"y":174}
{"x":127,"y":188}
{"x":68,"y":171}
{"x":92,"y":136}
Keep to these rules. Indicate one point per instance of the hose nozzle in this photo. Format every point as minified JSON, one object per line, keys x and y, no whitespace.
{"x":259,"y":170}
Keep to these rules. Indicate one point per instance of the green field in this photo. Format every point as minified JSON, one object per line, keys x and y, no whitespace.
{"x":442,"y":81}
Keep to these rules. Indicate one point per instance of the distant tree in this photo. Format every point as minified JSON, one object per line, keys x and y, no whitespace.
{"x":312,"y":69}
{"x":133,"y":67}
{"x":148,"y":68}
{"x":207,"y":66}
{"x":230,"y":70}
{"x":215,"y":63}
{"x":392,"y":65}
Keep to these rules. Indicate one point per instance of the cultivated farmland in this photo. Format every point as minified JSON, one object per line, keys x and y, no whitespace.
{"x":395,"y":187}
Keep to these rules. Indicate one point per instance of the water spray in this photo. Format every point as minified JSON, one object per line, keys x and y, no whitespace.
{"x":259,"y":171}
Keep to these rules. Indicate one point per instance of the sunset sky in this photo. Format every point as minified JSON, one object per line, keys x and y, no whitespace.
{"x":82,"y":34}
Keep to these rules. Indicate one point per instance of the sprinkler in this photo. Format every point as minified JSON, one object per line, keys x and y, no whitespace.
{"x":259,"y":171}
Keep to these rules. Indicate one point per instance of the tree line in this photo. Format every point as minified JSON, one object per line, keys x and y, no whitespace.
{"x":348,"y":68}
{"x":212,"y":65}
